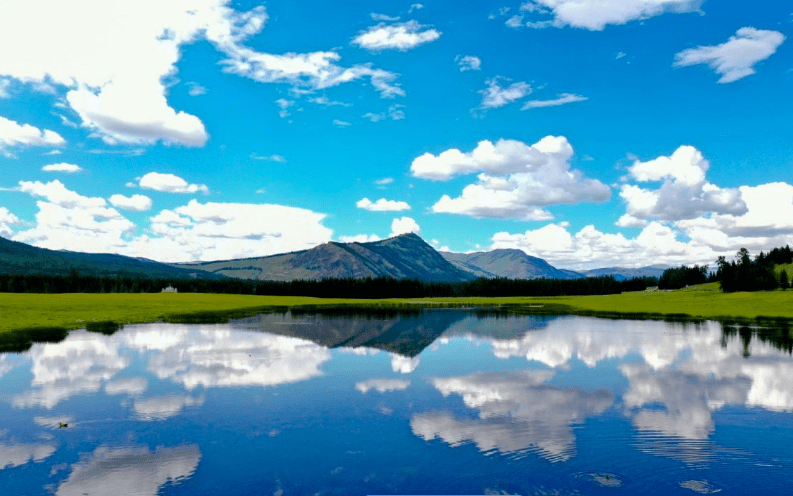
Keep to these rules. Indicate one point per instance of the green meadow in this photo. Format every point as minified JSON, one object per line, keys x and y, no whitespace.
{"x":73,"y":311}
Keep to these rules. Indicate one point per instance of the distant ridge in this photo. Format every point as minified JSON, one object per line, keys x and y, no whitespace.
{"x":622,"y":273}
{"x":406,"y":256}
{"x":23,"y":259}
{"x":510,"y":263}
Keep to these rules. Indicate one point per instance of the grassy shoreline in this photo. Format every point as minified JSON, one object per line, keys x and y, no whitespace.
{"x":73,"y":311}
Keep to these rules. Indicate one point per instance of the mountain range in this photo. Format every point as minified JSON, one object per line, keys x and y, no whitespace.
{"x":406,"y":256}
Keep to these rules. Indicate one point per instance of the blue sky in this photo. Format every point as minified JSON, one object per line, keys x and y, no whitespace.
{"x":588,"y":133}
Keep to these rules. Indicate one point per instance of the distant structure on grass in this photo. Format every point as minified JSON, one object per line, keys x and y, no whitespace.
{"x":170,"y":289}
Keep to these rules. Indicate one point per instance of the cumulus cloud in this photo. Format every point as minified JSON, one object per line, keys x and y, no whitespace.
{"x":169,"y":183}
{"x":13,"y":134}
{"x":684,"y":194}
{"x":516,"y":180}
{"x":734,"y":59}
{"x":7,"y":219}
{"x":116,"y":79}
{"x":137,"y":203}
{"x":468,"y":63}
{"x":495,"y":95}
{"x":400,"y":36}
{"x":563,"y":99}
{"x":360,"y":238}
{"x":196,"y":231}
{"x":62,"y":167}
{"x":382,"y":205}
{"x":221,"y":231}
{"x":595,"y":15}
{"x":404,"y":225}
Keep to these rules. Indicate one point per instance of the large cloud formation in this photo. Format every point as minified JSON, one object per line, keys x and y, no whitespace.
{"x":515,"y":180}
{"x":195,"y":231}
{"x":121,"y":61}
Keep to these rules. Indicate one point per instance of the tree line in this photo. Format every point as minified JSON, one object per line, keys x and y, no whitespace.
{"x":381,"y":287}
{"x":741,"y":274}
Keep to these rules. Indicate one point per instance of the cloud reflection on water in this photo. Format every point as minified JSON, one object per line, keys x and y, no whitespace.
{"x":130,"y":471}
{"x":517,"y":412}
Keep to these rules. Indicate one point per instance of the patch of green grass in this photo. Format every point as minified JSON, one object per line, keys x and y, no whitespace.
{"x":708,"y":286}
{"x":105,"y":312}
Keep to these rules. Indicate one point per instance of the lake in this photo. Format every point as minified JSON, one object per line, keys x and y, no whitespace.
{"x":425,"y":402}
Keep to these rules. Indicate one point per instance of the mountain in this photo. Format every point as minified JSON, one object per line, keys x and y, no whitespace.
{"x":24,"y":259}
{"x":511,"y":263}
{"x":406,"y":256}
{"x":622,"y":273}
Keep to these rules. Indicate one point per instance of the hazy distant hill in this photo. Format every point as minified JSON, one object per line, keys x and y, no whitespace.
{"x":622,"y":273}
{"x":23,"y":259}
{"x":402,"y":257}
{"x":511,"y":263}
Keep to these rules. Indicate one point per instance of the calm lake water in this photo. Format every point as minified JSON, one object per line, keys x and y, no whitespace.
{"x":433,"y":402}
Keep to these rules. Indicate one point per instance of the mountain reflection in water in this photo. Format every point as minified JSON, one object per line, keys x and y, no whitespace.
{"x":430,"y":401}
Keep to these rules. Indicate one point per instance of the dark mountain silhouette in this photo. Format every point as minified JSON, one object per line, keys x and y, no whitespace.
{"x":406,"y":256}
{"x":23,"y":259}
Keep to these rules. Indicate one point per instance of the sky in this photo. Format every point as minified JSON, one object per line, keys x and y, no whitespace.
{"x":588,"y":133}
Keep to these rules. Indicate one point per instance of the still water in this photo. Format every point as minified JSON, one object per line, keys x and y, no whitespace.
{"x":430,"y":402}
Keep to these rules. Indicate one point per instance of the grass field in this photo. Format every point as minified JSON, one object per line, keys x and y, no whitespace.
{"x":72,"y":311}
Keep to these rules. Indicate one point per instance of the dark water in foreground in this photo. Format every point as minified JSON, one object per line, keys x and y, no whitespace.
{"x":437,"y":402}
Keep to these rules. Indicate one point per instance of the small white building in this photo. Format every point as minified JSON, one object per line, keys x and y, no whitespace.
{"x":170,"y":289}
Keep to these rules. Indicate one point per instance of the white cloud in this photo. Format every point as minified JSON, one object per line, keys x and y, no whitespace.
{"x":130,"y":470}
{"x":382,"y":385}
{"x":137,"y":203}
{"x":563,"y":99}
{"x":597,"y":14}
{"x":129,"y":386}
{"x":620,"y":55}
{"x":169,"y":183}
{"x":404,"y":225}
{"x":415,"y":6}
{"x":382,"y":17}
{"x":221,"y":231}
{"x":195,"y":89}
{"x":468,"y":63}
{"x":13,"y":134}
{"x":360,"y":238}
{"x":7,"y":219}
{"x":495,"y":96}
{"x":685,"y":193}
{"x":284,"y":104}
{"x":62,"y":167}
{"x":590,"y":248}
{"x":404,"y":364}
{"x":196,"y":231}
{"x":734,"y":59}
{"x":384,"y":181}
{"x":340,"y":123}
{"x":382,"y":205}
{"x":516,"y":179}
{"x":395,"y":113}
{"x":4,"y":84}
{"x":116,"y":79}
{"x":268,"y":158}
{"x":401,"y":36}
{"x":327,"y":102}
